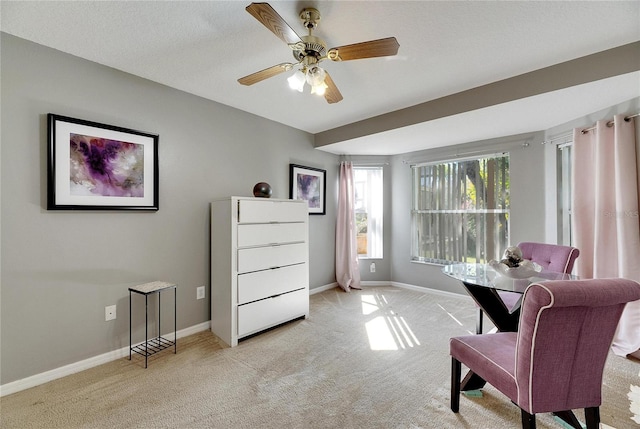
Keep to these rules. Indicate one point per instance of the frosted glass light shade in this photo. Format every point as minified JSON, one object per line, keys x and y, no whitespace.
{"x":296,"y":81}
{"x":319,"y":89}
{"x":315,"y":76}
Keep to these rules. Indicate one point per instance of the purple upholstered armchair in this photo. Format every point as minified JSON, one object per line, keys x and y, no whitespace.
{"x":554,"y":363}
{"x":551,"y":257}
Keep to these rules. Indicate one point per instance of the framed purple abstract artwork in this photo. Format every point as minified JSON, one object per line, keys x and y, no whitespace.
{"x":92,"y":166}
{"x":308,"y":184}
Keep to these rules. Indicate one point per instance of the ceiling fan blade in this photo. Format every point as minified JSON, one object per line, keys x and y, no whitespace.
{"x":264,"y":13}
{"x":373,"y":48}
{"x":265,"y":74}
{"x":331,"y":94}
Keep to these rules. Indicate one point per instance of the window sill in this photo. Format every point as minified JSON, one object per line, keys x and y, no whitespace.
{"x":435,"y":264}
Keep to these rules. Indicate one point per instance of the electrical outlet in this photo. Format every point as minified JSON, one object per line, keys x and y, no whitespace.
{"x":200,"y":292}
{"x":109,"y":312}
{"x":372,"y":267}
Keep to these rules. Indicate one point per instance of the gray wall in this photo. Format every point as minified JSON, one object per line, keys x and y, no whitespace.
{"x":526,"y":191}
{"x":534,"y":191}
{"x":60,"y":269}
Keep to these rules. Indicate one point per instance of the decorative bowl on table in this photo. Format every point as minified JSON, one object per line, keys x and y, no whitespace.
{"x":525,"y":269}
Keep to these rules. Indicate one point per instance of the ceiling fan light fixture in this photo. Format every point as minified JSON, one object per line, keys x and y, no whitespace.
{"x":296,"y":81}
{"x":315,"y":76}
{"x":319,"y":89}
{"x":310,"y":50}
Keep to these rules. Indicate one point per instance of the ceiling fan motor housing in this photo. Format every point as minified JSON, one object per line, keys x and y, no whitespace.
{"x":313,"y":46}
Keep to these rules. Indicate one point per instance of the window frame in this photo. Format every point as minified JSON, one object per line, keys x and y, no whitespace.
{"x":454,"y":216}
{"x":565,"y":213}
{"x":375,"y":223}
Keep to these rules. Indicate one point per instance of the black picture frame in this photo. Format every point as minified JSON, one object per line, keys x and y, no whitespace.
{"x":94,"y":166}
{"x":309,"y":184}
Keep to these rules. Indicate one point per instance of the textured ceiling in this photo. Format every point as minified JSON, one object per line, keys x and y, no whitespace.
{"x":446,"y":47}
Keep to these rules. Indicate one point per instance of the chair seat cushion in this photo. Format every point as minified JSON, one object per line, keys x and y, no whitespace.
{"x":493,"y":356}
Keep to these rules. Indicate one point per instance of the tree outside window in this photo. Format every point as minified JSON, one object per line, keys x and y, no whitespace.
{"x":460,"y":210}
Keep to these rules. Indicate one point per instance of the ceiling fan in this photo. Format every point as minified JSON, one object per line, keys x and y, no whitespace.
{"x":310,"y":50}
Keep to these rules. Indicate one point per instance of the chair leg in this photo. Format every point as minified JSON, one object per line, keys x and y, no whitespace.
{"x":528,"y":420}
{"x":479,"y":322}
{"x":592,"y":417}
{"x":456,"y":370}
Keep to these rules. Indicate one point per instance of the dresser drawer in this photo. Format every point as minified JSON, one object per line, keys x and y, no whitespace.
{"x":265,"y":211}
{"x":263,"y":284}
{"x":272,"y":233}
{"x":262,"y":258}
{"x":259,"y":315}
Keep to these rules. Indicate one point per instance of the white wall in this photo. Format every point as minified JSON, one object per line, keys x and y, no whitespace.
{"x":60,"y":269}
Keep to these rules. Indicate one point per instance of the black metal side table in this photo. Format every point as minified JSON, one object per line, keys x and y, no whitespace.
{"x":159,"y":343}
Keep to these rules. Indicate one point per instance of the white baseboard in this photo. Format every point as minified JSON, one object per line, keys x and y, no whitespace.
{"x":375,"y":283}
{"x":38,"y":379}
{"x":335,"y":285}
{"x":429,"y":290}
{"x":316,"y":290}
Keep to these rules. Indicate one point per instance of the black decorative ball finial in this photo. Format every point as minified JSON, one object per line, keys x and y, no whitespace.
{"x":262,"y":190}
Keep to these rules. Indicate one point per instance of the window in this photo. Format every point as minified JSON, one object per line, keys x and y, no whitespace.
{"x":460,"y":210}
{"x":368,"y":211}
{"x":564,"y":200}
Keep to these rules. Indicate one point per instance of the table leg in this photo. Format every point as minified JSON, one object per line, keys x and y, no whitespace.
{"x":493,"y":307}
{"x":130,"y":342}
{"x":159,"y":330}
{"x":472,"y":381}
{"x":175,"y":320}
{"x":146,"y":329}
{"x":569,"y":418}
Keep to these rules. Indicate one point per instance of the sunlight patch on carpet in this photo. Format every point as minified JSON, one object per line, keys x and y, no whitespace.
{"x":369,"y":304}
{"x":454,"y":318}
{"x":387,"y":330}
{"x":450,"y":315}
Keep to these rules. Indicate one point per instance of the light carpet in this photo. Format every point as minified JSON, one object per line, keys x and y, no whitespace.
{"x":376,"y":358}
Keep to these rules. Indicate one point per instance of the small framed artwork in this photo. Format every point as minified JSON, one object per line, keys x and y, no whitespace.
{"x":92,"y":166}
{"x":308,"y":184}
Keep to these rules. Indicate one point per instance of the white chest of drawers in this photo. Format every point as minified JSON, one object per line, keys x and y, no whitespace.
{"x":259,"y":265}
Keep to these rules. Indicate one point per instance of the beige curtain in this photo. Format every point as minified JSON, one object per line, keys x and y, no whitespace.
{"x":347,"y":269}
{"x":606,"y":225}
